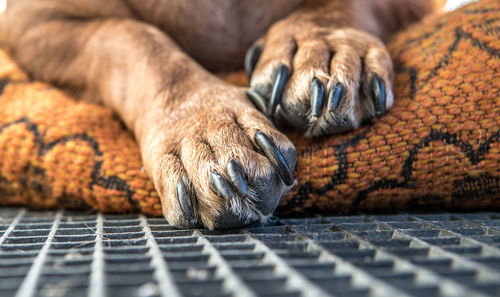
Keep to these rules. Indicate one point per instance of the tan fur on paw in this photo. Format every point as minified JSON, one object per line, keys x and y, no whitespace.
{"x":320,"y":80}
{"x":220,"y":164}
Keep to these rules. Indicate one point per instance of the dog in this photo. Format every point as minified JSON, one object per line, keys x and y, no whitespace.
{"x":212,"y":150}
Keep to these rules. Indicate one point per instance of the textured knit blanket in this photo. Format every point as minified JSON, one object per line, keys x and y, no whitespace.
{"x":439,"y":146}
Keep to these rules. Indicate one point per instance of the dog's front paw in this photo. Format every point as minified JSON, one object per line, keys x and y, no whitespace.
{"x":218,"y":164}
{"x":318,"y":79}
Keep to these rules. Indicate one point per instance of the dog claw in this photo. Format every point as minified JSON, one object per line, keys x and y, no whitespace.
{"x":251,"y":59}
{"x":280,"y":76}
{"x":379,"y":96}
{"x":236,"y":176}
{"x":317,"y":96}
{"x":220,"y":186}
{"x":257,"y":100}
{"x":183,"y":197}
{"x":336,"y":95}
{"x":274,"y":155}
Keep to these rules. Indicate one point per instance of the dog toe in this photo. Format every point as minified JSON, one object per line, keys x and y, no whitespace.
{"x":251,"y":58}
{"x":220,"y":186}
{"x":379,"y":94}
{"x":317,"y":94}
{"x":280,"y":77}
{"x":276,"y":158}
{"x":237,"y":177}
{"x":336,"y":94}
{"x":179,"y":200}
{"x":184,"y":200}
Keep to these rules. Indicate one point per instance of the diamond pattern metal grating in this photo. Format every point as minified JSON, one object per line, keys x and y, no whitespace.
{"x":79,"y":254}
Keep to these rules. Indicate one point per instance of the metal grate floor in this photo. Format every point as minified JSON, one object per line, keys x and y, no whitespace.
{"x":78,"y":254}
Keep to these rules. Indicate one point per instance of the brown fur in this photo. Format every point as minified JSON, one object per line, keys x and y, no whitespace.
{"x":141,"y":58}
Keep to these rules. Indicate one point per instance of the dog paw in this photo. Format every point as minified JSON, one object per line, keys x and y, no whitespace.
{"x":320,"y":80}
{"x":220,"y":164}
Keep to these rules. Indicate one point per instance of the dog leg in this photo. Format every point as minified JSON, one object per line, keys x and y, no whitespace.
{"x":324,"y":69}
{"x":214,"y":159}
